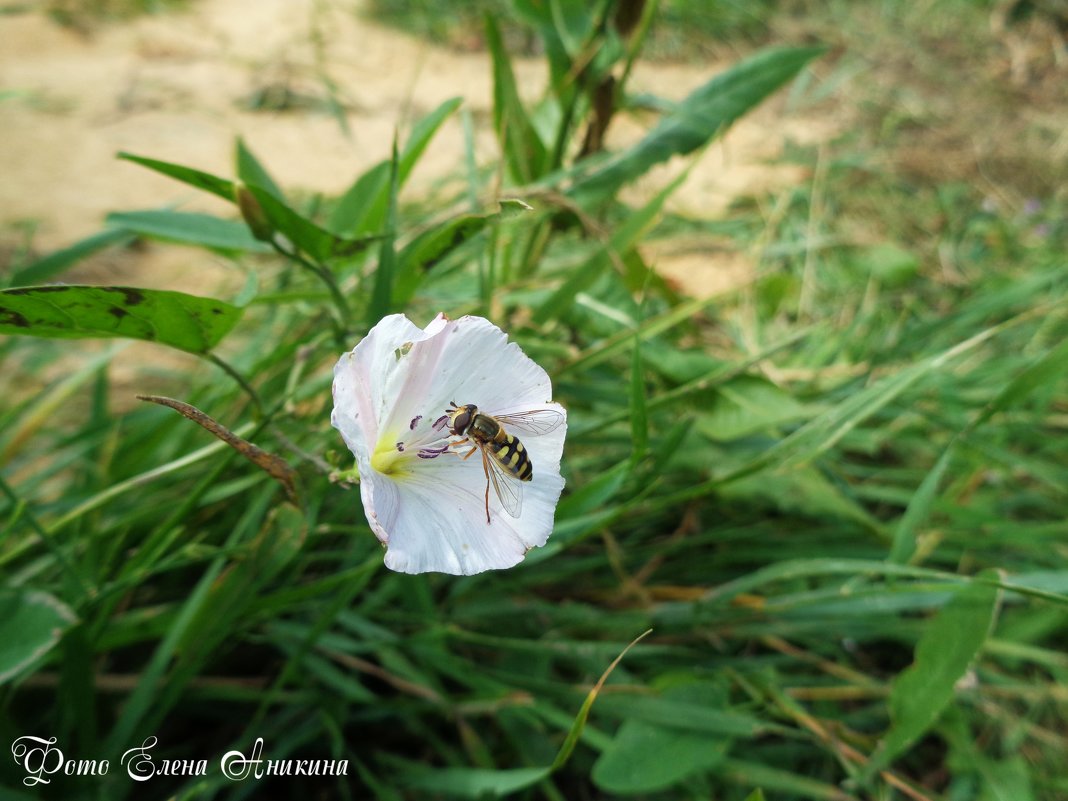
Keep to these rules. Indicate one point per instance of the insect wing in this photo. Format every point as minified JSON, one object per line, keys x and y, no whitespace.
{"x":537,"y":421}
{"x":505,"y":486}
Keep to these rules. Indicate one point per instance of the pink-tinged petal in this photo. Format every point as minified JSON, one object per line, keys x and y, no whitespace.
{"x":361,"y":396}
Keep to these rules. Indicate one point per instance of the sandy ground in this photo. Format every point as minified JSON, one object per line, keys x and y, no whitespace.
{"x":176,"y":87}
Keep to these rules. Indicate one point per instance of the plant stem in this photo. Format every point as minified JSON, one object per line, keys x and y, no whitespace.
{"x":344,"y":313}
{"x":240,"y":379}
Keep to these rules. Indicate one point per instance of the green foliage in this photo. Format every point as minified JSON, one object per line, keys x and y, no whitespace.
{"x":835,"y":494}
{"x":182,"y":321}
{"x":31,"y":624}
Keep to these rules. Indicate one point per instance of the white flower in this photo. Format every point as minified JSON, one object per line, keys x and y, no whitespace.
{"x":425,"y":501}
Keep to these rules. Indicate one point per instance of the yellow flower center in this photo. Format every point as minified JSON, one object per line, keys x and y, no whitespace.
{"x":387,"y":459}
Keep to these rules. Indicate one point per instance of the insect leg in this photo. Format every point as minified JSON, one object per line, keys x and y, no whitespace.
{"x":485,"y":468}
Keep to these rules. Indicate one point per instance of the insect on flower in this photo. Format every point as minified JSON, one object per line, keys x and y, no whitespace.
{"x":426,"y":500}
{"x":504,"y":459}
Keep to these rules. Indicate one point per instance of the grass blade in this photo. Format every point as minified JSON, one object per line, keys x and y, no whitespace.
{"x":706,"y":113}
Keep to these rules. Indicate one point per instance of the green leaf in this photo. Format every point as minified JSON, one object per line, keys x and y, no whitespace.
{"x":891,"y":265}
{"x":306,"y":235}
{"x":362,"y":209}
{"x":201,"y":180}
{"x":919,"y":508}
{"x":1005,"y":780}
{"x":538,"y":14}
{"x":645,"y":757}
{"x":475,"y":782}
{"x":675,"y":711}
{"x":425,"y":251}
{"x":596,"y":493}
{"x":806,"y":491}
{"x":625,"y":237}
{"x":31,"y":623}
{"x":382,"y":294}
{"x":746,"y":405}
{"x":1050,"y":367}
{"x":58,"y":261}
{"x":251,"y":171}
{"x":573,"y":734}
{"x":189,"y":229}
{"x":946,"y":648}
{"x":639,"y":419}
{"x":822,"y":433}
{"x":706,"y":113}
{"x":186,"y":322}
{"x":524,"y":152}
{"x":791,"y":785}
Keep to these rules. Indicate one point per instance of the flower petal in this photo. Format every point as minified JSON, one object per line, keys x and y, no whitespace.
{"x":439,"y":521}
{"x":361,"y":398}
{"x":430,"y":510}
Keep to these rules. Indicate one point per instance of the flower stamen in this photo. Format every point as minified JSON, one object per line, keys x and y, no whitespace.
{"x":432,"y":453}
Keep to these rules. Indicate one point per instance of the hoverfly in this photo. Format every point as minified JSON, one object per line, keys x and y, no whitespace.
{"x":504,"y":459}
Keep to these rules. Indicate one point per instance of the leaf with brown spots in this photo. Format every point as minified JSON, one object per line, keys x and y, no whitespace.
{"x":186,"y":322}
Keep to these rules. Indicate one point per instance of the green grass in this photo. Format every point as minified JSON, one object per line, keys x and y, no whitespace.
{"x":856,"y":461}
{"x":84,"y":14}
{"x":686,"y":29}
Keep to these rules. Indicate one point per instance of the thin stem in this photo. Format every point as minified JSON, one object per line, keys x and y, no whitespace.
{"x":240,"y":379}
{"x":327,"y":277}
{"x":22,"y":509}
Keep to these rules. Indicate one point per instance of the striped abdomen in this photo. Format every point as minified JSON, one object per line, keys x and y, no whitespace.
{"x":512,"y":456}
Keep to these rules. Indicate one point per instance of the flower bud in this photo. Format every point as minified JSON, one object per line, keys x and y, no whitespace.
{"x":252,"y":213}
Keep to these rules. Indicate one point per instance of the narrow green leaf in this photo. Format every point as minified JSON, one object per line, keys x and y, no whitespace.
{"x":639,"y":420}
{"x":382,"y":294}
{"x":919,"y":508}
{"x":825,"y":431}
{"x":251,"y":171}
{"x":706,"y":113}
{"x":756,"y":795}
{"x":189,"y":228}
{"x":596,"y":493}
{"x":425,"y":251}
{"x":58,"y":261}
{"x":306,"y":235}
{"x":792,"y":785}
{"x":672,"y":711}
{"x":186,"y":322}
{"x":945,"y":650}
{"x":625,"y":237}
{"x":187,"y":175}
{"x":362,"y":209}
{"x":31,"y":623}
{"x":475,"y":782}
{"x":524,"y":152}
{"x":807,"y":568}
{"x":538,"y":14}
{"x":1051,"y":367}
{"x":568,"y":746}
{"x":746,"y":405}
{"x":650,"y":327}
